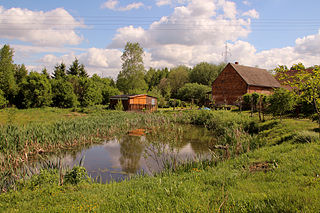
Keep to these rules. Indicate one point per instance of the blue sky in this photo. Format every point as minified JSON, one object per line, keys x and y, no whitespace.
{"x":261,"y":33}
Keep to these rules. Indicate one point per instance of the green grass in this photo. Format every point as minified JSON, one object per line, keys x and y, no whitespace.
{"x":292,"y":186}
{"x":43,"y":115}
{"x":276,"y":171}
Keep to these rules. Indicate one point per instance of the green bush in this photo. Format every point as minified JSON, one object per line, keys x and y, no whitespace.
{"x":45,"y":177}
{"x":306,"y":137}
{"x":63,"y":95}
{"x":119,"y":106}
{"x":77,"y":175}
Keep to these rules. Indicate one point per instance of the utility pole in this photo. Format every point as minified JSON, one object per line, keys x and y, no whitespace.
{"x":226,"y":53}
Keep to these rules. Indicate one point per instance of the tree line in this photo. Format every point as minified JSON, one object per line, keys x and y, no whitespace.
{"x":67,"y":86}
{"x":71,"y":86}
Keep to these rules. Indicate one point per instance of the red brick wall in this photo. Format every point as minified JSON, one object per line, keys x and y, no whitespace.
{"x":261,"y":90}
{"x":228,"y":87}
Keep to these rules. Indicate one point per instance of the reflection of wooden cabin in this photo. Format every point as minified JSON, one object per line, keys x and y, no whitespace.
{"x":236,"y":80}
{"x":135,"y":102}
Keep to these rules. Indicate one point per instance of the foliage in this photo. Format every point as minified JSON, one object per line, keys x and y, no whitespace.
{"x":106,"y":87}
{"x":205,"y":73}
{"x":20,"y":73}
{"x":130,"y":80}
{"x":153,"y":77}
{"x":281,"y":102}
{"x":177,"y":77}
{"x":165,"y":88}
{"x":62,"y":94}
{"x":77,"y":175}
{"x":193,"y":91}
{"x":46,"y":177}
{"x":107,"y":92}
{"x":119,"y":106}
{"x":35,"y":91}
{"x":7,"y":80}
{"x":306,"y":137}
{"x":45,"y":73}
{"x":74,"y":68}
{"x":60,"y":71}
{"x":92,"y":94}
{"x":305,"y":83}
{"x":174,"y":103}
{"x":3,"y":100}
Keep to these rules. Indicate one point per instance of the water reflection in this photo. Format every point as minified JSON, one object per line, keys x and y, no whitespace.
{"x":135,"y":153}
{"x":131,"y":148}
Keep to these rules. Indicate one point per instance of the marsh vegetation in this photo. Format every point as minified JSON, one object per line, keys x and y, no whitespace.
{"x":251,"y":165}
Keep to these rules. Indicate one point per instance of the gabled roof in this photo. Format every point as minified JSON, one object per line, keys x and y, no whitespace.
{"x":255,"y":76}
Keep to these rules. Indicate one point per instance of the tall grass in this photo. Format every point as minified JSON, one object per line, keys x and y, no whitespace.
{"x":287,"y":181}
{"x":20,"y":143}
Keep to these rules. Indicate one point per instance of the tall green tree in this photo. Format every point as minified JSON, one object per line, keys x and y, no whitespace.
{"x":60,"y":71}
{"x":82,"y":71}
{"x":45,"y":73}
{"x":107,"y":88}
{"x":154,"y":76}
{"x":131,"y":77}
{"x":92,"y":93}
{"x":20,"y":73}
{"x":205,"y":73}
{"x":74,"y":68}
{"x":35,"y":91}
{"x":178,"y":77}
{"x":7,"y":80}
{"x":62,"y":94}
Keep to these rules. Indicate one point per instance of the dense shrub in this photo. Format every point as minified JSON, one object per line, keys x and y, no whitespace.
{"x":306,"y":137}
{"x":35,"y":91}
{"x":63,"y":95}
{"x":281,"y":102}
{"x":77,"y":175}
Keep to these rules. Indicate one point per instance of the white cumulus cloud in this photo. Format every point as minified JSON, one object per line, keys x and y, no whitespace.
{"x":309,"y":45}
{"x":39,"y":27}
{"x":114,"y":5}
{"x":251,"y":13}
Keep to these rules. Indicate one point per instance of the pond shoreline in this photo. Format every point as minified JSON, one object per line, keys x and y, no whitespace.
{"x":255,"y":178}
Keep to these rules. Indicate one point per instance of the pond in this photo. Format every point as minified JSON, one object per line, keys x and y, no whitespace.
{"x":140,"y":151}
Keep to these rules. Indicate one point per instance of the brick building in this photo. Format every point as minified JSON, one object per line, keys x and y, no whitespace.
{"x":236,"y":80}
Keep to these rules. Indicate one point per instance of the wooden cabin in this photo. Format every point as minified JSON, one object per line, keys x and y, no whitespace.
{"x":135,"y":102}
{"x":236,"y":80}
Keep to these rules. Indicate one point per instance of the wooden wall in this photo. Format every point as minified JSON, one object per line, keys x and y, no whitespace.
{"x":137,"y":103}
{"x":261,"y":90}
{"x":228,"y":87}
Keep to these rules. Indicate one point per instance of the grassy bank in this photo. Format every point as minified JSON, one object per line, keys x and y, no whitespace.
{"x":272,"y":167}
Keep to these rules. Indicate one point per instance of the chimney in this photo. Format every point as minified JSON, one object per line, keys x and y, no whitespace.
{"x":236,"y":62}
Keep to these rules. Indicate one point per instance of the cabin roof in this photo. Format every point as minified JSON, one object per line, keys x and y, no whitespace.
{"x":255,"y":76}
{"x":125,"y":97}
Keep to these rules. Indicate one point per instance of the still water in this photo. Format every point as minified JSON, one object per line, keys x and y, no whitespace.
{"x":143,"y":151}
